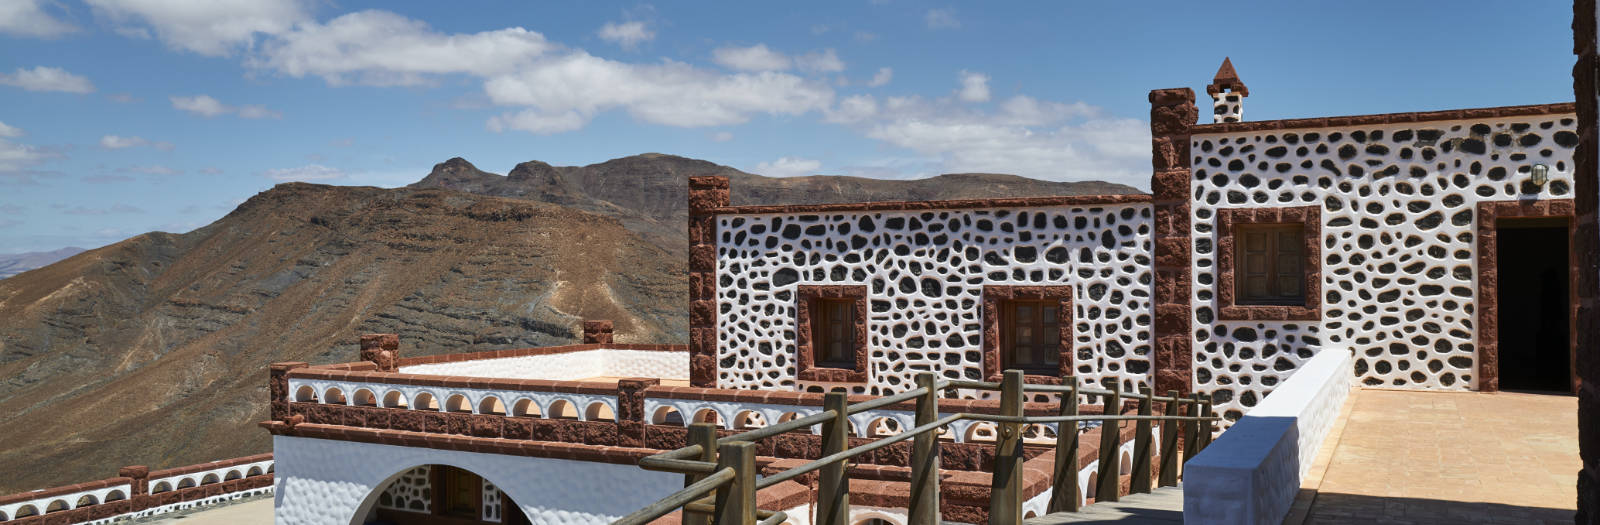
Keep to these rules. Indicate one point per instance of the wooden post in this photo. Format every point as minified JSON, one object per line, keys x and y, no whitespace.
{"x":1005,"y":490}
{"x":1110,"y":486}
{"x":736,"y":501}
{"x":1064,"y":492}
{"x":924,"y":509}
{"x":1141,"y":447}
{"x":833,"y":486}
{"x":1205,"y":426}
{"x":705,"y":435}
{"x":1169,"y":444}
{"x":1191,"y":432}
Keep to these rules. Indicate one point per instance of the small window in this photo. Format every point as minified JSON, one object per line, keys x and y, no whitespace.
{"x":833,"y":332}
{"x":1031,"y":336}
{"x":1270,"y":264}
{"x":459,"y":489}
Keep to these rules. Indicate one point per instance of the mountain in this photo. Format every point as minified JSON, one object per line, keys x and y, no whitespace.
{"x":154,"y":350}
{"x":15,"y":263}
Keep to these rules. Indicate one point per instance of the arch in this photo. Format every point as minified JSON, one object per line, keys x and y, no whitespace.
{"x":1126,"y":465}
{"x":270,"y":466}
{"x":562,"y":409}
{"x":394,"y":399}
{"x":457,"y":403}
{"x":875,"y":519}
{"x":365,"y":398}
{"x":984,"y":431}
{"x":59,"y":505}
{"x":884,"y":427}
{"x":254,"y":471}
{"x":161,"y":487}
{"x":749,"y":420}
{"x":305,"y":394}
{"x":666,"y":415}
{"x":86,"y":500}
{"x":1038,"y":433}
{"x":4,"y":517}
{"x":334,"y":395}
{"x":115,"y":495}
{"x":210,"y":478}
{"x":491,"y":405}
{"x":233,"y":474}
{"x":27,"y":510}
{"x":1088,"y":488}
{"x":526,"y":408}
{"x":599,"y":411}
{"x":707,"y":415}
{"x":186,"y":483}
{"x":1030,"y":515}
{"x":788,"y":416}
{"x":418,"y":480}
{"x":425,"y":401}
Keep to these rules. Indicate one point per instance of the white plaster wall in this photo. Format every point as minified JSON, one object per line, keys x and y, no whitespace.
{"x":330,"y":482}
{"x":1252,"y":472}
{"x":221,"y":474}
{"x":71,"y":500}
{"x":1398,"y":289}
{"x":925,"y":273}
{"x":572,"y":365}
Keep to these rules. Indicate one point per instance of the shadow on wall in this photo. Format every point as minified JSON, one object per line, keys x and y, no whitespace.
{"x":1333,"y":507}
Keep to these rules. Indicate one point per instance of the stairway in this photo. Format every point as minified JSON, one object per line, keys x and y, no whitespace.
{"x":1164,"y":506}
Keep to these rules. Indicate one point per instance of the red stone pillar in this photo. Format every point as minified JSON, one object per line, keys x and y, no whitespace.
{"x":382,"y":350}
{"x":631,"y":418}
{"x":706,"y":194}
{"x":139,"y":475}
{"x":1172,"y":113}
{"x":1586,"y":245}
{"x":278,"y":386}
{"x":597,"y":332}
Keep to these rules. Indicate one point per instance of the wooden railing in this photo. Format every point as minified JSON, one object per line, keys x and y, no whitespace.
{"x":720,"y":482}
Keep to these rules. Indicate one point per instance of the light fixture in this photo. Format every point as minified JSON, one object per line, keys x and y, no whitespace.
{"x":1541,"y":175}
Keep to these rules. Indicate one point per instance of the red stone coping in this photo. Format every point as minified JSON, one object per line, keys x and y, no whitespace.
{"x":1385,"y":118}
{"x":67,"y":489}
{"x":487,"y":383}
{"x":547,"y":350}
{"x":487,"y":445}
{"x":1012,"y":202}
{"x":814,"y":399}
{"x":201,"y":467}
{"x":137,"y":503}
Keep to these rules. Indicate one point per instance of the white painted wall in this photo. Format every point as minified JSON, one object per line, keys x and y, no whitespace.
{"x":1252,"y":473}
{"x":567,"y":366}
{"x":329,"y":482}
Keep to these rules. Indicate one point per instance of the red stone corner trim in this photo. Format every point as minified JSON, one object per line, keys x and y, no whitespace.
{"x":994,"y":296}
{"x":1488,"y":278}
{"x":1227,"y":220}
{"x":805,"y":360}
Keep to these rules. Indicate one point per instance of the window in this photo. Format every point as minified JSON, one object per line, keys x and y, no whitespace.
{"x":1270,"y":264}
{"x":1031,"y":336}
{"x":833,"y":332}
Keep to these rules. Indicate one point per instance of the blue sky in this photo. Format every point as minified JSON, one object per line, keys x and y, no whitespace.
{"x":119,"y":117}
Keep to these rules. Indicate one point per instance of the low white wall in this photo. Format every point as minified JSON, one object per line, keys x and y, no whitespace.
{"x":1252,"y":472}
{"x":572,"y":365}
{"x":331,"y":482}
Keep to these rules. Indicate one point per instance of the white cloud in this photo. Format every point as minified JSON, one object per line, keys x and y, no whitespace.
{"x":974,"y":87}
{"x":788,"y":167}
{"x":942,"y":18}
{"x":27,"y":18}
{"x":307,"y":173}
{"x":383,"y":48}
{"x":882,"y":77}
{"x":119,"y":142}
{"x":721,"y":136}
{"x":206,"y":106}
{"x":825,"y":61}
{"x":9,"y":131}
{"x":628,"y":35}
{"x":565,"y":93}
{"x":754,"y":58}
{"x":16,"y":159}
{"x":43,"y":78}
{"x":212,"y":27}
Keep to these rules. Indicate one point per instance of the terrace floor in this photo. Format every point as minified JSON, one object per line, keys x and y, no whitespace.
{"x":1408,"y":457}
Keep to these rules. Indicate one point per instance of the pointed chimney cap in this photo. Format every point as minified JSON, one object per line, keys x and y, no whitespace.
{"x":1227,"y":79}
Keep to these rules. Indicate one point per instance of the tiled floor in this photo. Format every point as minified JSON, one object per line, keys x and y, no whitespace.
{"x":1441,"y":457}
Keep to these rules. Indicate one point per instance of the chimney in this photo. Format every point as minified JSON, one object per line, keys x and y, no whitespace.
{"x":383,"y":350}
{"x":1227,"y":94}
{"x":597,"y":332}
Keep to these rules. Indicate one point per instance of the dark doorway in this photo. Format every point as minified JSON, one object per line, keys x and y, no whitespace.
{"x":1534,"y":304}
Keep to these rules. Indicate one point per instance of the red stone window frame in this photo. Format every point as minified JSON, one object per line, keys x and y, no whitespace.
{"x":1489,"y":215}
{"x":1228,"y":222}
{"x":995,"y":298}
{"x":806,"y":296}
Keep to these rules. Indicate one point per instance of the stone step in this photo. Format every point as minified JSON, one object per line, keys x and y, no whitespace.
{"x":1164,"y":506}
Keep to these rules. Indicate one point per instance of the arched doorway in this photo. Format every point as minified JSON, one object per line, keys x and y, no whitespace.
{"x":441,"y":494}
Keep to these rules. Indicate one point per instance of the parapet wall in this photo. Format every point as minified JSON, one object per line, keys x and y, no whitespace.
{"x":140,"y":492}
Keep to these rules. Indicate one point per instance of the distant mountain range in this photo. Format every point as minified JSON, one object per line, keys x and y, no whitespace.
{"x":15,"y":263}
{"x":154,"y":350}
